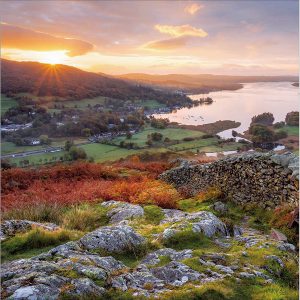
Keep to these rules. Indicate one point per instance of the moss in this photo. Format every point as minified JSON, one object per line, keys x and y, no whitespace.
{"x":187,"y":239}
{"x":69,"y":273}
{"x":194,"y":204}
{"x":153,"y":214}
{"x":163,"y":260}
{"x":194,"y":264}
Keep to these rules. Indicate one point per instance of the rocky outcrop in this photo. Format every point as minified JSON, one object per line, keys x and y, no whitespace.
{"x":199,"y":222}
{"x":112,"y":239}
{"x":120,"y":211}
{"x":264,"y":179}
{"x":80,"y":269}
{"x":9,"y":228}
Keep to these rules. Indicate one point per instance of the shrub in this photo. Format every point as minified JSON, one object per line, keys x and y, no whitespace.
{"x":85,"y":217}
{"x":212,"y":193}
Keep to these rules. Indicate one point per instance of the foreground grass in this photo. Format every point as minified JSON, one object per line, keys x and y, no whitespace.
{"x":35,"y":241}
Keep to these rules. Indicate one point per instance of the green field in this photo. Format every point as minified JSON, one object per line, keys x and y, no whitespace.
{"x":7,"y":103}
{"x":9,"y":147}
{"x":203,"y":145}
{"x":38,"y":159}
{"x":102,"y":152}
{"x":84,"y":103}
{"x":80,"y":104}
{"x":140,"y":138}
{"x":99,"y":152}
{"x":291,"y":130}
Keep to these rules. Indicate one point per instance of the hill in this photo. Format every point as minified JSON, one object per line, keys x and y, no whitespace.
{"x":201,"y":83}
{"x":154,"y":240}
{"x":69,"y":83}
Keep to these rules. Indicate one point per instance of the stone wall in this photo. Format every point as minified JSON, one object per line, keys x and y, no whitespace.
{"x":265,"y":179}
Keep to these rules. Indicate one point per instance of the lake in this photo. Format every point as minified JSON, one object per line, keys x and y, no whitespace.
{"x":241,"y":105}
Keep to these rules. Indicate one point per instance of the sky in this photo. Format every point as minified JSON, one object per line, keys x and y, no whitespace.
{"x":237,"y":37}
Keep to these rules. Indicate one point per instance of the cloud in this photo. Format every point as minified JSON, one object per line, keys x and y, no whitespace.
{"x":182,"y":30}
{"x":25,"y":39}
{"x":193,"y":8}
{"x":165,"y":45}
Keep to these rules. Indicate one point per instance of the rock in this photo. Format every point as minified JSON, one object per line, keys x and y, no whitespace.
{"x":275,"y":259}
{"x":277,"y":235}
{"x":24,"y":267}
{"x":203,"y":222}
{"x":85,"y":287}
{"x":176,"y":273}
{"x":237,"y":231}
{"x":217,"y":258}
{"x":112,"y":239}
{"x":286,"y":247}
{"x":220,"y":207}
{"x":246,"y":275}
{"x":11,"y":227}
{"x":154,"y":257}
{"x":35,"y":292}
{"x":172,"y":215}
{"x":138,"y":281}
{"x":224,"y":269}
{"x":122,"y":211}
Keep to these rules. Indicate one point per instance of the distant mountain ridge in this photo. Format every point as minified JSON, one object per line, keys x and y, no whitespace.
{"x":68,"y":83}
{"x":201,"y":82}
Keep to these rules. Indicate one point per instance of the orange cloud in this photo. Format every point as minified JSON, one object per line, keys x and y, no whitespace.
{"x":165,"y":45}
{"x":193,"y":8}
{"x":14,"y":37}
{"x":182,"y":30}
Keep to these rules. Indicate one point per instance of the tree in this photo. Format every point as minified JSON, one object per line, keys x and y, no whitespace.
{"x":77,"y":153}
{"x":5,"y":164}
{"x":86,"y":132}
{"x":263,"y":119}
{"x":156,"y":136}
{"x":261,"y":133}
{"x":292,"y":118}
{"x":44,"y":140}
{"x":68,"y":145}
{"x":278,"y":125}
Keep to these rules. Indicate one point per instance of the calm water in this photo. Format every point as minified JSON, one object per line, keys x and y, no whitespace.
{"x":278,"y":98}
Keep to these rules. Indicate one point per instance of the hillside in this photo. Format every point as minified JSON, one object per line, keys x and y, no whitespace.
{"x":201,"y":83}
{"x":71,"y":83}
{"x":137,"y":230}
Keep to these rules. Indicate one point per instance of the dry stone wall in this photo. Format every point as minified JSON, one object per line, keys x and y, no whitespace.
{"x":265,"y":179}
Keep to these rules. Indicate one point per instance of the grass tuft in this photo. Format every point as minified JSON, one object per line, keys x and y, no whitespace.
{"x":85,"y":217}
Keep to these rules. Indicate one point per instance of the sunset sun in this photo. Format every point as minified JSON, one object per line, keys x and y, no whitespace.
{"x":51,"y":57}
